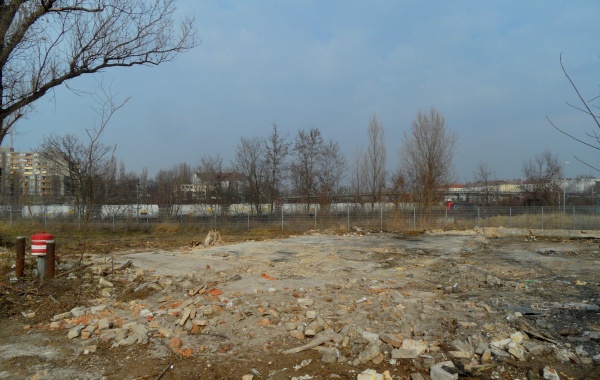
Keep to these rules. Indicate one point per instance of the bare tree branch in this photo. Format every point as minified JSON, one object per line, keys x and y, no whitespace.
{"x":49,"y":42}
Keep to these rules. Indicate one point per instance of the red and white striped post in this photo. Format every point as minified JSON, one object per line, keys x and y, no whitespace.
{"x":39,"y":243}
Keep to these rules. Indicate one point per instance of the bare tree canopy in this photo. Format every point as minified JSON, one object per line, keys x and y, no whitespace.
{"x":250,"y":162}
{"x":359,"y":174}
{"x":46,"y":43}
{"x":85,"y":163}
{"x":426,"y":156}
{"x":542,"y":176}
{"x":485,"y":183}
{"x":331,"y":171}
{"x":308,"y":148}
{"x":277,"y":149}
{"x":376,"y":156}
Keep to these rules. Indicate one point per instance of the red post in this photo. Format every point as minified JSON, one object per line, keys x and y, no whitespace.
{"x":50,"y":259}
{"x":20,"y":264}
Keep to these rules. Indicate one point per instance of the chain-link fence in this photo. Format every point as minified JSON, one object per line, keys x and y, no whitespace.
{"x":305,"y":217}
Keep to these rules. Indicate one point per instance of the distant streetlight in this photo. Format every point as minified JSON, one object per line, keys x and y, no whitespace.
{"x":565,"y":188}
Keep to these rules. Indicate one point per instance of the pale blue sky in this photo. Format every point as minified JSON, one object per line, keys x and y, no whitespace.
{"x":490,"y":67}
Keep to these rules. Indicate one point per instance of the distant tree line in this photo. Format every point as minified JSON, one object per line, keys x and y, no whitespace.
{"x":266,"y":170}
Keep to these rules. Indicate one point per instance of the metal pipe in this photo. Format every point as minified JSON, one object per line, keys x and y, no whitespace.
{"x":50,"y":259}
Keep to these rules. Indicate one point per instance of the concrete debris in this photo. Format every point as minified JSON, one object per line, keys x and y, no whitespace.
{"x":212,"y":238}
{"x":371,"y":374}
{"x":361,"y":322}
{"x":439,"y":371}
{"x":550,"y":373}
{"x":105,"y":283}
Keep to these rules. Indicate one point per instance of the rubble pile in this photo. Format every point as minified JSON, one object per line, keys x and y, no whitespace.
{"x":356,"y":322}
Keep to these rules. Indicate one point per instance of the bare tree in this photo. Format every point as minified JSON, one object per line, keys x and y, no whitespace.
{"x":251,"y":164}
{"x":359,"y":175}
{"x":485,"y":183}
{"x":331,"y":171}
{"x":47,"y":43}
{"x":426,"y":155}
{"x":542,"y":176}
{"x":308,"y":148}
{"x":168,"y":185}
{"x":85,"y":163}
{"x":276,"y":150}
{"x":376,"y":156}
{"x":221,"y":184}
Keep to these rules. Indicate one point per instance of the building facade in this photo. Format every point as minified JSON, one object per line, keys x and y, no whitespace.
{"x":25,"y":176}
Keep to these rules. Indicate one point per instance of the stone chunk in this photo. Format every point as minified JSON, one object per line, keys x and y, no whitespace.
{"x":517,"y":337}
{"x":369,"y":374}
{"x":517,"y":352}
{"x":460,"y":354}
{"x":436,"y":371}
{"x":55,"y":325}
{"x":550,"y":373}
{"x":78,"y":311}
{"x":75,"y":331}
{"x":61,"y":316}
{"x":105,"y":283}
{"x":128,"y":341}
{"x":459,"y":345}
{"x":103,"y":324}
{"x":370,"y":353}
{"x":500,"y":343}
{"x":371,"y":337}
{"x":418,"y":345}
{"x":404,"y":353}
{"x":481,"y":347}
{"x":394,"y":340}
{"x":184,"y":317}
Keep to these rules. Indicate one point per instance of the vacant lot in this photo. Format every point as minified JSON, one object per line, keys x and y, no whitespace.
{"x":313,"y":306}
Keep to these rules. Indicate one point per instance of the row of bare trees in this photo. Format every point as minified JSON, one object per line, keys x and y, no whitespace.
{"x":266,"y":170}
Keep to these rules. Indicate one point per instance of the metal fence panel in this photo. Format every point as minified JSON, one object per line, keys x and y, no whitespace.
{"x":288,"y":217}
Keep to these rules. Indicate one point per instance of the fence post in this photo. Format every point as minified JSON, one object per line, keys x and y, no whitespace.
{"x":414,"y":218}
{"x":248,"y":220}
{"x":348,"y":206}
{"x":574,"y":217}
{"x":20,"y":264}
{"x":542,"y":217}
{"x":446,"y":221}
{"x":10,"y":214}
{"x":50,"y":258}
{"x":478,"y":217}
{"x":282,"y":216}
{"x":380,"y":217}
{"x":315,"y":217}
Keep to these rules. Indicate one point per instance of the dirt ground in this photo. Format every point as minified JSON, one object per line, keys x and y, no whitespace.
{"x":511,"y":307}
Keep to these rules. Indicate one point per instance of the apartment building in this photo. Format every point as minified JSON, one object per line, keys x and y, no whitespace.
{"x":27,"y":174}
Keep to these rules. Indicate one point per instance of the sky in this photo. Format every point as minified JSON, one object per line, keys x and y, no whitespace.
{"x":491,"y":68}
